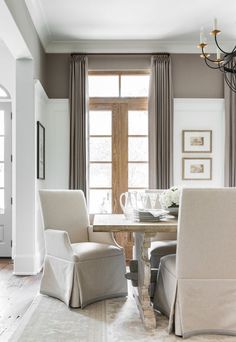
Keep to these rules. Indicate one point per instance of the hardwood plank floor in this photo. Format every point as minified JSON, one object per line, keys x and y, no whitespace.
{"x":16,"y":295}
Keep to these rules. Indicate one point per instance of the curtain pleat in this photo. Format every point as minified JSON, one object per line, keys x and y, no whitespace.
{"x":78,"y":122}
{"x":230,"y":137}
{"x":160,"y":123}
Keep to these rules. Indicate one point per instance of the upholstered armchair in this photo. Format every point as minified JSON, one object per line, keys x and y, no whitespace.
{"x":196,"y":287}
{"x":81,"y":266}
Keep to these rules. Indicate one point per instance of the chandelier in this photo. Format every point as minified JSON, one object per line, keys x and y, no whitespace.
{"x":224,"y":61}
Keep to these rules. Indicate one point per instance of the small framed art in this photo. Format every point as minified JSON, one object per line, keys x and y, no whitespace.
{"x":195,"y":141}
{"x":40,"y":151}
{"x":197,"y":168}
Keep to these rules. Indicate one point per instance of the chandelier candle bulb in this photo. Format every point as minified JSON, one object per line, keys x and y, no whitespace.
{"x":215,"y":24}
{"x":201,"y":36}
{"x":218,"y":54}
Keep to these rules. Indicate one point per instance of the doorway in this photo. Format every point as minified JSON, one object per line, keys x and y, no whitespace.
{"x":5,"y":175}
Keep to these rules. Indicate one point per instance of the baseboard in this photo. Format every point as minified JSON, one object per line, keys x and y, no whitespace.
{"x":27,"y":264}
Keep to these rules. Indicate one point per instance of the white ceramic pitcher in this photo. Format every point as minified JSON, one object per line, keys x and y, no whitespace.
{"x":128,"y":202}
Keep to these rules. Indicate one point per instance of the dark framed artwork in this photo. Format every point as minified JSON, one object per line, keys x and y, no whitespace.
{"x":40,"y":151}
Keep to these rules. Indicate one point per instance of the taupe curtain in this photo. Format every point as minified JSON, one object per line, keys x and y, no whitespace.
{"x":230,"y":137}
{"x":78,"y":122}
{"x":160,"y":123}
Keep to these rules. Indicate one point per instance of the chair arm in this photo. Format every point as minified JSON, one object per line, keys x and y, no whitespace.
{"x":58,"y":244}
{"x":102,"y":237}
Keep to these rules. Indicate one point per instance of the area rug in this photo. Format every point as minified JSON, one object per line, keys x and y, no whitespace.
{"x":113,"y":320}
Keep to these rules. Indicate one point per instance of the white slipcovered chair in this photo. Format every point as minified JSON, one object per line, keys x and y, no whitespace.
{"x":80,"y":266}
{"x":196,"y":287}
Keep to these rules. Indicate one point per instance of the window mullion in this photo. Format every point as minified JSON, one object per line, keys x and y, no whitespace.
{"x":119,"y":153}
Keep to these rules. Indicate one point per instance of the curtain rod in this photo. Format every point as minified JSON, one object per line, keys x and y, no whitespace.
{"x":120,"y":54}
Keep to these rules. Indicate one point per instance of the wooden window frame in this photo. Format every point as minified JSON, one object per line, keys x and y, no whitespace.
{"x":119,"y":107}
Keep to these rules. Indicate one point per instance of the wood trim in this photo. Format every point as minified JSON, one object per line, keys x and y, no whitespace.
{"x":105,"y":103}
{"x":100,"y":162}
{"x":137,"y":136}
{"x":100,"y":136}
{"x":94,"y":104}
{"x":119,"y":153}
{"x":100,"y":188}
{"x":119,"y":73}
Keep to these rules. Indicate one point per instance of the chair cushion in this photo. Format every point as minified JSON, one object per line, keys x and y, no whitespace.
{"x":159,"y":249}
{"x":93,"y":250}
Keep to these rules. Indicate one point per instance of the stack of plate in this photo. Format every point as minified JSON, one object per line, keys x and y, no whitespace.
{"x":147,"y":215}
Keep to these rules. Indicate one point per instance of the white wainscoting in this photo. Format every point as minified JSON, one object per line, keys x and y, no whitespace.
{"x":203,"y":114}
{"x":57,"y":144}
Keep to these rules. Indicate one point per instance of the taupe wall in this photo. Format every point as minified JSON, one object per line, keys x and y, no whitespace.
{"x":24,"y":22}
{"x":191,"y":77}
{"x":57,"y":70}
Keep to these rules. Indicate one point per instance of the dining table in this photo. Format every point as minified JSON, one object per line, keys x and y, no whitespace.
{"x":144,"y":232}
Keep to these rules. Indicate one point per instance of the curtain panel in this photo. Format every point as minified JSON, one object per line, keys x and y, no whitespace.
{"x":160,"y":109}
{"x":230,"y":137}
{"x":78,"y":99}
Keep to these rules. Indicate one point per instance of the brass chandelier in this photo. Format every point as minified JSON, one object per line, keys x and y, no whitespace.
{"x":224,"y":61}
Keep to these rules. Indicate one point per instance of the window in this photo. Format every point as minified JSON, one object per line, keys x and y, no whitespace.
{"x":2,"y":140}
{"x":4,"y":93}
{"x":118,"y":137}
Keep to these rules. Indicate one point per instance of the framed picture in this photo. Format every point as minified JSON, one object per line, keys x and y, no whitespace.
{"x":40,"y":151}
{"x":197,"y":141}
{"x":197,"y":169}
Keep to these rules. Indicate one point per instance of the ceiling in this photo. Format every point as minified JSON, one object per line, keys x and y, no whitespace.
{"x":130,"y":25}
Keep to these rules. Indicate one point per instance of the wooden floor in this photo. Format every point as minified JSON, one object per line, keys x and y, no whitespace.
{"x":16,"y":295}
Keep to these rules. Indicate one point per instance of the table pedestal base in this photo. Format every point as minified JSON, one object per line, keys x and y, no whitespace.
{"x":141,"y":293}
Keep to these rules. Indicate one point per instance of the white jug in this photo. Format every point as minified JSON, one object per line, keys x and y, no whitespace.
{"x":128,"y":202}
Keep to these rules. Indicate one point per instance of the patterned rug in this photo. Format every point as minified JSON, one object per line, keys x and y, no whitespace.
{"x":113,"y":320}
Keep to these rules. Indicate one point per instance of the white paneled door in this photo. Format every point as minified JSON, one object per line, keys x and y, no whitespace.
{"x":5,"y":180}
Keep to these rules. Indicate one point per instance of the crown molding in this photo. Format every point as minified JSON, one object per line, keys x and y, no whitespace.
{"x":129,"y":46}
{"x":40,"y":21}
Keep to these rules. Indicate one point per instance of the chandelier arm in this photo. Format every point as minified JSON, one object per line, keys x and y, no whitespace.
{"x":230,"y":65}
{"x":209,"y":65}
{"x":219,"y":46}
{"x":209,"y":59}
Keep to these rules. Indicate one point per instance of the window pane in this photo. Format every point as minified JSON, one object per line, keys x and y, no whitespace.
{"x":1,"y":148}
{"x":1,"y":175}
{"x":100,"y":122}
{"x":3,"y":93}
{"x":134,"y":85}
{"x":138,"y":175}
{"x":1,"y":201}
{"x":104,"y":86}
{"x":1,"y":122}
{"x":138,"y":122}
{"x":100,"y":149}
{"x":138,"y":149}
{"x":100,"y":175}
{"x":100,"y":201}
